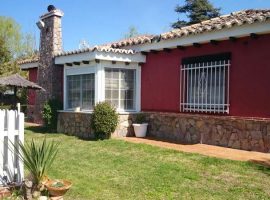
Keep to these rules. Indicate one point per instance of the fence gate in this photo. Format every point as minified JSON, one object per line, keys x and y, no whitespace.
{"x":11,"y":132}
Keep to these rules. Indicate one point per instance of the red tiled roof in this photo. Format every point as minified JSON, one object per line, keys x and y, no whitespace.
{"x":226,"y":21}
{"x":223,"y":22}
{"x":31,"y":59}
{"x":99,"y":49}
{"x":141,"y":39}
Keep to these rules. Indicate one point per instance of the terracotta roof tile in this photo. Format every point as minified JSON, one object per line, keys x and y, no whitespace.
{"x":99,"y":49}
{"x":141,"y":39}
{"x":218,"y":23}
{"x":226,"y":21}
{"x":30,"y":59}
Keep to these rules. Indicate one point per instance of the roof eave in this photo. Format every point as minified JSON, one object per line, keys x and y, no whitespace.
{"x":30,"y":65}
{"x":219,"y":35}
{"x":100,"y":55}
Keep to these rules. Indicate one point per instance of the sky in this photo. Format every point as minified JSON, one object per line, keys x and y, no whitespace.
{"x":102,"y":21}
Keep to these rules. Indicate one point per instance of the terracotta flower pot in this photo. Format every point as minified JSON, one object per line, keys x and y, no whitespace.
{"x":4,"y":192}
{"x":57,"y":187}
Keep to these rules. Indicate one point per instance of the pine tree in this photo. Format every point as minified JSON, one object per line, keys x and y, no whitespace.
{"x":197,"y":11}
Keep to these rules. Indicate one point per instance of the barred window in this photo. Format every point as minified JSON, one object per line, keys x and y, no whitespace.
{"x":120,"y":88}
{"x":81,"y":91}
{"x":205,"y":84}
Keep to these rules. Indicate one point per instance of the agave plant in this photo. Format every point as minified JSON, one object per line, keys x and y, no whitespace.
{"x":37,"y":158}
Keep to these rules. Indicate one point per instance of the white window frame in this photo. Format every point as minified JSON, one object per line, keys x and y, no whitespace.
{"x":202,"y":104}
{"x":99,"y":70}
{"x":71,"y":71}
{"x":119,"y":86}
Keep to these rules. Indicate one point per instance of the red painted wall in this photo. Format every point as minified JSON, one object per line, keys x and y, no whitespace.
{"x":249,"y":76}
{"x":32,"y":76}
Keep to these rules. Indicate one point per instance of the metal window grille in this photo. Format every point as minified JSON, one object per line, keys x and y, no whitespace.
{"x":205,"y":87}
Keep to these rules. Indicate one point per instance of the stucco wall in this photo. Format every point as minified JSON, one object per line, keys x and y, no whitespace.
{"x":32,"y":76}
{"x":249,"y":76}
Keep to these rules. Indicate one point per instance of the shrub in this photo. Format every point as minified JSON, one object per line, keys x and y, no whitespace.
{"x":104,"y":120}
{"x":140,"y":118}
{"x":49,"y":114}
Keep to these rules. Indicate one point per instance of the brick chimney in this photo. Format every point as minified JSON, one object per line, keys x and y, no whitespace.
{"x":48,"y":73}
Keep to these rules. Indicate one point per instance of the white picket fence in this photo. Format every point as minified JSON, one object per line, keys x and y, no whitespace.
{"x":11,"y":131}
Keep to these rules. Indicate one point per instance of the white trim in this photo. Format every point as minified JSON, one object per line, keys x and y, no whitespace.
{"x":90,"y":112}
{"x":106,"y":56}
{"x":99,"y":70}
{"x":29,"y":65}
{"x":223,"y":34}
{"x":138,"y":89}
{"x":69,"y":71}
{"x":80,"y":70}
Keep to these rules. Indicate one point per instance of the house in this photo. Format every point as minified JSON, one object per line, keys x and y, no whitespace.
{"x":208,"y":82}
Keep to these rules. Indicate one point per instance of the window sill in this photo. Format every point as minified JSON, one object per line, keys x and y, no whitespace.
{"x":91,"y":111}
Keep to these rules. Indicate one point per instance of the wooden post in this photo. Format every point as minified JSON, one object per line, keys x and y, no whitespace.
{"x":20,"y":168}
{"x":15,"y":97}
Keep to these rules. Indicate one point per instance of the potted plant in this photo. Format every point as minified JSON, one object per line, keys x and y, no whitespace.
{"x":140,"y":125}
{"x":37,"y":158}
{"x":57,"y":188}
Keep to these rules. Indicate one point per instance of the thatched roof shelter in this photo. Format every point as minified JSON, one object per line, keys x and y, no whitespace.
{"x":18,"y":81}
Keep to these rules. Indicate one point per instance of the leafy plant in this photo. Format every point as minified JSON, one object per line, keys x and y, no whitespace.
{"x":140,"y":118}
{"x":37,"y":158}
{"x":49,"y":113}
{"x":104,"y":120}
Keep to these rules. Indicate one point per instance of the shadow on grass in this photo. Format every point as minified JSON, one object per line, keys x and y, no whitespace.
{"x":38,"y":129}
{"x":263,"y":166}
{"x":44,"y":130}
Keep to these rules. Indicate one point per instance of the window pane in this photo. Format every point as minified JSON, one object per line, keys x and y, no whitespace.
{"x":81,"y":91}
{"x":73,"y":91}
{"x":88,"y":91}
{"x":120,"y":87}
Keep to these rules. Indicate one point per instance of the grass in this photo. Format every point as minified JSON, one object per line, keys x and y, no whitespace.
{"x":115,"y":169}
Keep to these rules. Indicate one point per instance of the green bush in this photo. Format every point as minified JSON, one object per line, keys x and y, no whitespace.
{"x":49,"y":114}
{"x":140,"y":118}
{"x":104,"y":120}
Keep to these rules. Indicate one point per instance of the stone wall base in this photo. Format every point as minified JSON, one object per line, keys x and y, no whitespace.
{"x":238,"y":133}
{"x":79,"y":124}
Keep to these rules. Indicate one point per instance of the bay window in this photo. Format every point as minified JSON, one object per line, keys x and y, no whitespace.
{"x":87,"y":85}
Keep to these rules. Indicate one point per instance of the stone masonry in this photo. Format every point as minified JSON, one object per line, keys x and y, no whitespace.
{"x":48,"y":73}
{"x":238,"y":133}
{"x":79,"y":124}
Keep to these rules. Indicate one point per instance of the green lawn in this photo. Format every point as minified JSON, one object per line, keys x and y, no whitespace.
{"x":115,"y":169}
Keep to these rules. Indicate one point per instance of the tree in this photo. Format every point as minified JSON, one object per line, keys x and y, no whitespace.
{"x":5,"y":55}
{"x":132,"y":32}
{"x":13,"y":45}
{"x":197,"y":11}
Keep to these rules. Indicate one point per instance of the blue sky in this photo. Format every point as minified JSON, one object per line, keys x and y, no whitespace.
{"x":103,"y":21}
